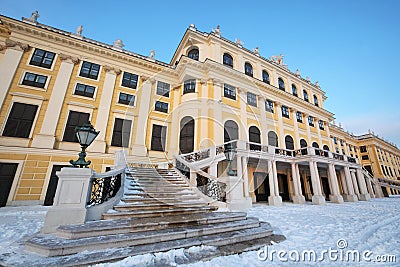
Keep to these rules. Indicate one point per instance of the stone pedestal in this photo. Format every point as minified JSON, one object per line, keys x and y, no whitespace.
{"x":299,"y":199}
{"x":336,"y":199}
{"x":70,"y":200}
{"x":275,"y":200}
{"x":364,"y":197}
{"x":351,"y":198}
{"x":318,"y":200}
{"x":235,"y":199}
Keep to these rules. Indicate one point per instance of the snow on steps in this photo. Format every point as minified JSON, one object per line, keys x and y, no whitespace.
{"x":149,"y":220}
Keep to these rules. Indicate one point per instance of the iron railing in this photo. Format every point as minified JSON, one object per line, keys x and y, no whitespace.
{"x":104,"y":186}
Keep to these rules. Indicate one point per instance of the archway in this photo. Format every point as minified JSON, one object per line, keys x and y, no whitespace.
{"x":186,"y":135}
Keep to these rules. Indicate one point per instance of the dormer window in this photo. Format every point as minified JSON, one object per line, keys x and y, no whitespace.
{"x":281,"y":84}
{"x":316,"y":101}
{"x":294,"y":90}
{"x":265,"y":76}
{"x":305,"y":95}
{"x":227,"y":60}
{"x":248,"y":69}
{"x":194,"y":54}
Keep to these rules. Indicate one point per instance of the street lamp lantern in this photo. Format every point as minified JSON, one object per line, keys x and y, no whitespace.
{"x":85,"y":135}
{"x":230,"y":154}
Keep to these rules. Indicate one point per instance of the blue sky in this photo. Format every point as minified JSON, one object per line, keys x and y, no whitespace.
{"x":350,"y":47}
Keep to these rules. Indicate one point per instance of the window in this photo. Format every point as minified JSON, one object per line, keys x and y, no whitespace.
{"x":84,"y":90}
{"x":231,"y":131}
{"x":265,"y":76}
{"x":272,"y":139}
{"x":20,"y":120}
{"x":248,"y":69}
{"x":126,"y":99}
{"x":42,"y":58}
{"x":163,"y":89}
{"x":315,"y":145}
{"x":89,"y":70}
{"x":129,"y":80}
{"x":321,"y":125}
{"x":350,"y":148}
{"x":363,"y":149}
{"x":121,"y":133}
{"x":35,"y":80}
{"x":289,"y":143}
{"x":303,"y":143}
{"x":251,"y":99}
{"x":281,"y":84}
{"x":383,"y":169}
{"x":194,"y":54}
{"x":189,"y":86}
{"x":305,"y":95}
{"x":335,"y":140}
{"x":343,"y":152}
{"x":158,"y":137}
{"x":341,"y":142}
{"x":316,"y":101}
{"x":337,"y":150}
{"x":269,"y":106}
{"x":311,"y":121}
{"x":294,"y":90}
{"x":227,"y":60}
{"x":161,"y":106}
{"x":254,"y":137}
{"x":74,"y":120}
{"x":365,"y":157}
{"x":285,"y":112}
{"x":229,"y":91}
{"x":325,"y":147}
{"x":299,"y":116}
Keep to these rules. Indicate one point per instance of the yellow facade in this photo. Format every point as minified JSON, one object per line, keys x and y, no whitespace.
{"x":208,"y":105}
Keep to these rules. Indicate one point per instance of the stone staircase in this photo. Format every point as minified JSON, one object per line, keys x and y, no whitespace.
{"x":158,"y":212}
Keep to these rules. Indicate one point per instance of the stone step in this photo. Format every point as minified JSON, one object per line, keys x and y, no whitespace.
{"x":50,"y":246}
{"x":108,"y":227}
{"x":161,"y":200}
{"x":159,"y":194}
{"x":161,"y":189}
{"x":156,"y":213}
{"x":160,"y":206}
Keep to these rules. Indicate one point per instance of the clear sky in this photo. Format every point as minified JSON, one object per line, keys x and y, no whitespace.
{"x":351,"y":47}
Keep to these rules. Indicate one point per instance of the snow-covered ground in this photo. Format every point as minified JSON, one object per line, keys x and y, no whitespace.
{"x":370,"y":229}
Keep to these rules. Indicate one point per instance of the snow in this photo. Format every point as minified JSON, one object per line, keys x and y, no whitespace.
{"x":365,"y":225}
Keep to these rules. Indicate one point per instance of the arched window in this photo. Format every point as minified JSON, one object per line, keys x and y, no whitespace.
{"x":314,"y":144}
{"x":186,"y":135}
{"x":325,"y":147}
{"x":316,"y":100}
{"x":194,"y":54}
{"x":303,"y":143}
{"x":231,"y":131}
{"x":281,"y":84}
{"x":289,"y":142}
{"x":227,"y":60}
{"x":248,"y":69}
{"x":254,"y":137}
{"x":265,"y":76}
{"x":294,"y":90}
{"x":305,"y":95}
{"x":272,"y":139}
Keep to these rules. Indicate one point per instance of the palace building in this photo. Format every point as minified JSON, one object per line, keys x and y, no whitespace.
{"x":214,"y":92}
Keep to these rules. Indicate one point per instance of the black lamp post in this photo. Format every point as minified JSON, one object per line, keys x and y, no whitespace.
{"x":230,"y":154}
{"x":85,"y":135}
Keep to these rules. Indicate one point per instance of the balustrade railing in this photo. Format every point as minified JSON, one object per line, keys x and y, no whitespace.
{"x":104,"y":186}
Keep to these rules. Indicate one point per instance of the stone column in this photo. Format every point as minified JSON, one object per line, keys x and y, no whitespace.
{"x":335,"y":196}
{"x":245,"y":177}
{"x":99,"y":144}
{"x":296,"y":129}
{"x":139,"y":147}
{"x":317,"y":198}
{"x":363,"y":186}
{"x":344,"y":184}
{"x":218,"y":124}
{"x":370,"y":189}
{"x":9,"y":65}
{"x":175,"y":124}
{"x":203,"y":120}
{"x":243,"y":115}
{"x":46,"y":137}
{"x":278,"y":108}
{"x":350,"y":188}
{"x":274,"y":199}
{"x":355,"y":184}
{"x":264,"y":126}
{"x":298,"y":198}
